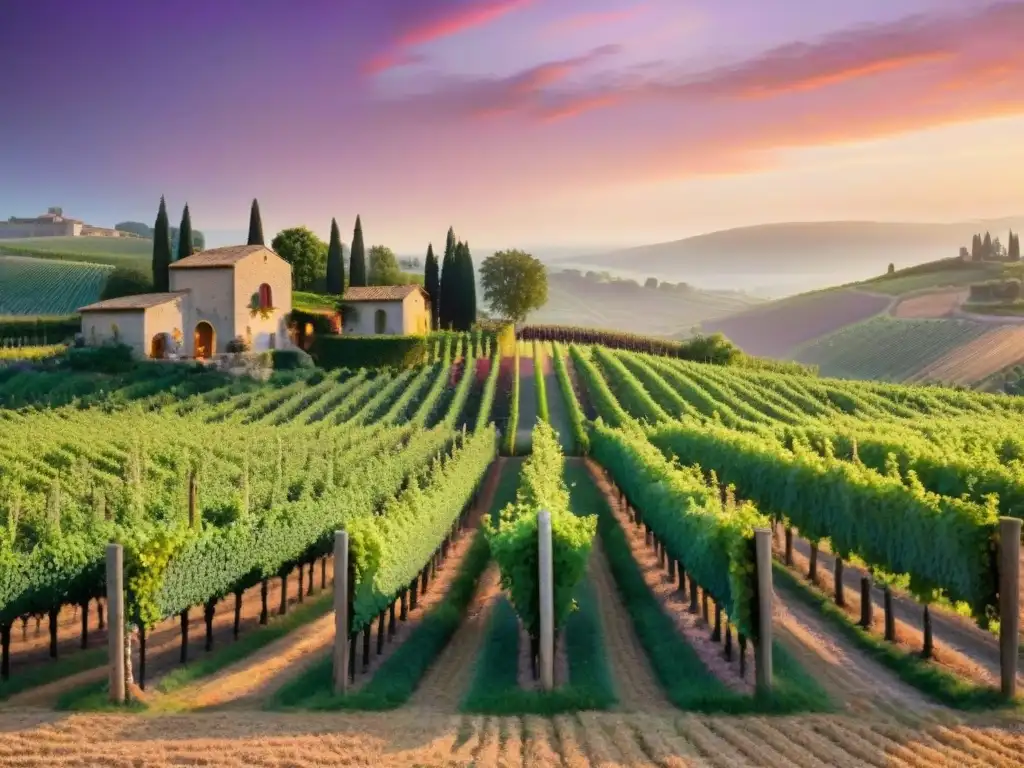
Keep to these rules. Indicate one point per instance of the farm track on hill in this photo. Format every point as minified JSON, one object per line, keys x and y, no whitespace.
{"x":929,"y":305}
{"x":417,"y":738}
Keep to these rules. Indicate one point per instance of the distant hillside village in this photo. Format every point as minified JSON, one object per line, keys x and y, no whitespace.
{"x":54,"y":223}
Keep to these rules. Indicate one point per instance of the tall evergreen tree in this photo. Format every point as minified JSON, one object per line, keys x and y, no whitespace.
{"x":432,"y":284}
{"x":161,"y":250}
{"x":1013,"y":247}
{"x":986,"y":247}
{"x":469,"y":286}
{"x":185,"y":248}
{"x":335,"y":262}
{"x":357,"y":268}
{"x":976,"y":248}
{"x":255,"y":224}
{"x":449,"y":288}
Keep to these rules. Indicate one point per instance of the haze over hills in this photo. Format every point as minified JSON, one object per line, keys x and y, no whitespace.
{"x":774,"y":260}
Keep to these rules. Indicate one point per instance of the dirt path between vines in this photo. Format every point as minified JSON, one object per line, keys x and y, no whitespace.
{"x":960,"y":645}
{"x":254,"y":680}
{"x":449,"y":677}
{"x":637,"y":688}
{"x":163,"y":642}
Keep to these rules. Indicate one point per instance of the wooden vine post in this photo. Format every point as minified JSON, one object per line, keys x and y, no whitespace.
{"x":115,"y":621}
{"x":763,"y":648}
{"x":1009,"y":602}
{"x":547,"y":601}
{"x":341,"y":618}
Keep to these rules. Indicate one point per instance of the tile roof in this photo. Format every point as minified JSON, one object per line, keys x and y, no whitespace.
{"x":227,"y":256}
{"x":381,"y":292}
{"x":136,"y":302}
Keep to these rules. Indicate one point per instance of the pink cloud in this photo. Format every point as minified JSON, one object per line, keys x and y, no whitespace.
{"x":937,"y":52}
{"x":586,"y":20}
{"x":456,"y":20}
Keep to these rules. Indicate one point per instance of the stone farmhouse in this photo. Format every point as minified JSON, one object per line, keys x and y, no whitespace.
{"x":54,"y":223}
{"x":241,"y":291}
{"x":386,"y":309}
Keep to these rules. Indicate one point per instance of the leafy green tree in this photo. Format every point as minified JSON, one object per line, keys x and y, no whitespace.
{"x":185,"y":245}
{"x":651,"y":282}
{"x":125,"y":281}
{"x":335,"y":262}
{"x":306,"y":252}
{"x":357,"y":268}
{"x":449,"y":290}
{"x":161,"y":250}
{"x":384,"y":269}
{"x":514,"y":283}
{"x":432,"y":282}
{"x":255,"y":225}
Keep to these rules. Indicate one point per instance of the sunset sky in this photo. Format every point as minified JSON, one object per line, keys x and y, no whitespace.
{"x":520,"y":122}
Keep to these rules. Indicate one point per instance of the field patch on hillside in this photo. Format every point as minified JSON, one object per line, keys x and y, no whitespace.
{"x":889,"y":349}
{"x":990,"y":353}
{"x":777,"y":329}
{"x":113,"y":251}
{"x":47,"y":287}
{"x":930,"y":305}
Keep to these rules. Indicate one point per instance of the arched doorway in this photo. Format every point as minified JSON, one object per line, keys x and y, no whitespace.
{"x":158,"y":346}
{"x":380,"y":321}
{"x":205,"y":341}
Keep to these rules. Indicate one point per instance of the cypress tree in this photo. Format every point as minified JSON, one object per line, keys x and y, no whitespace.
{"x":1013,"y":248}
{"x":255,"y":224}
{"x":161,"y":250}
{"x":185,"y":235}
{"x":469,"y":286}
{"x":335,"y":262}
{"x":357,"y":269}
{"x":432,"y":284}
{"x":976,"y":248}
{"x":448,"y":283}
{"x":986,"y":247}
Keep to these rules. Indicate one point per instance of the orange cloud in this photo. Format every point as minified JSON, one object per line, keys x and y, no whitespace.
{"x":857,"y":72}
{"x":593,"y":19}
{"x":459,"y":19}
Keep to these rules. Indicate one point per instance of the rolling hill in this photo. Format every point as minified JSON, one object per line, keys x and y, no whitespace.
{"x":627,"y":306}
{"x":908,"y":326}
{"x":112,"y":251}
{"x":793,"y":257}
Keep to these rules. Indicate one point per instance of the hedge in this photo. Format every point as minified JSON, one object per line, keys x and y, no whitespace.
{"x":334,"y":351}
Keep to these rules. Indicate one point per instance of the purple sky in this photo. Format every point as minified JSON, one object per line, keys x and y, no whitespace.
{"x":520,"y":122}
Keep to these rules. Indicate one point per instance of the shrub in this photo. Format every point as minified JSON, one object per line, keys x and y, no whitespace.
{"x":291,"y":359}
{"x":238,"y":345}
{"x":125,"y":281}
{"x":333,"y":351}
{"x":110,"y":358}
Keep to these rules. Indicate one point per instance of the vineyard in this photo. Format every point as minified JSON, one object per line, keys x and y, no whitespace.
{"x":34,"y":286}
{"x":726,"y":541}
{"x":888,"y":349}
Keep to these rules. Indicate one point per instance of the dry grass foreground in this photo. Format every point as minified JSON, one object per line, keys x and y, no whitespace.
{"x":417,"y":738}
